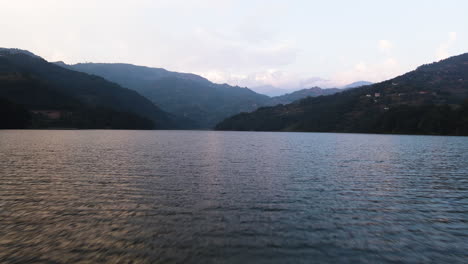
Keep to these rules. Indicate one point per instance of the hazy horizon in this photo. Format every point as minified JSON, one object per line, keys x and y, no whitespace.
{"x":246,"y":43}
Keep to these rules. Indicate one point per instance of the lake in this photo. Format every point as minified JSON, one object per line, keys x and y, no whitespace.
{"x":231,"y":197}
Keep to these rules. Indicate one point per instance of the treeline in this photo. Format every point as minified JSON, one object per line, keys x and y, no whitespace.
{"x":429,"y":119}
{"x":405,"y":119}
{"x":37,"y":84}
{"x":16,"y":116}
{"x":13,"y":115}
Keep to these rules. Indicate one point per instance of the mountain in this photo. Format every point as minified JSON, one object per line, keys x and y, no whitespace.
{"x":301,"y":94}
{"x":356,"y":84}
{"x":191,"y":96}
{"x":17,"y":51}
{"x":129,"y":75}
{"x":312,"y":92}
{"x":186,"y":95}
{"x":269,"y":90}
{"x":429,"y":100}
{"x":283,"y":96}
{"x":36,"y":84}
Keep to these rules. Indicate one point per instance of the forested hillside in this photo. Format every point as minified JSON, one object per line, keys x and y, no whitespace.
{"x":429,"y":100}
{"x":89,"y":101}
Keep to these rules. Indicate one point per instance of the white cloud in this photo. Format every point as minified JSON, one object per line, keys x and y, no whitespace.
{"x":385,"y":45}
{"x":272,"y":77}
{"x":374,"y":72}
{"x":385,"y":68}
{"x":443,"y":49}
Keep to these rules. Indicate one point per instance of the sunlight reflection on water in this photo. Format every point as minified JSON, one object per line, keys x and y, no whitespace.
{"x":202,"y":196}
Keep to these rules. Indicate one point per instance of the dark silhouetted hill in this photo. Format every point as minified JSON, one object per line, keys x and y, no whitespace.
{"x":36,"y":84}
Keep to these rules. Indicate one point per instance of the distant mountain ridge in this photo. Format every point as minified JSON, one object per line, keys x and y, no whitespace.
{"x":304,"y":93}
{"x":273,"y":91}
{"x":270,"y":90}
{"x":356,"y":84}
{"x":183,"y":94}
{"x":429,"y":100}
{"x":126,"y":74}
{"x":189,"y":95}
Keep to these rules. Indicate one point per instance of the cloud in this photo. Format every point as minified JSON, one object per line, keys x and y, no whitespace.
{"x":385,"y":46}
{"x":373,"y":72}
{"x":272,"y":77}
{"x":253,"y":30}
{"x":382,"y":69}
{"x":443,"y":49}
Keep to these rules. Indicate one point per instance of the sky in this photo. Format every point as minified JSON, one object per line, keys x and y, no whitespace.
{"x":289,"y":44}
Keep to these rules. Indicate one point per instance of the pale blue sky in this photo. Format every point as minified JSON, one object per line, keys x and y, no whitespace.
{"x":247,"y":42}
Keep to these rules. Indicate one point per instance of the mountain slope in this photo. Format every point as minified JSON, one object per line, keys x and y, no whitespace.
{"x":129,"y":75}
{"x":186,"y":95}
{"x":356,"y":84}
{"x":269,"y":90}
{"x":429,"y":100}
{"x":13,"y":115}
{"x":301,"y":94}
{"x":36,"y":83}
{"x":39,"y":101}
{"x":207,"y":104}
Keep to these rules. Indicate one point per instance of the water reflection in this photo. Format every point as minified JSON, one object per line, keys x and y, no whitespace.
{"x":187,"y":196}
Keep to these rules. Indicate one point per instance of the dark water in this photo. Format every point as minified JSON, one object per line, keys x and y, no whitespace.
{"x":232,"y":197}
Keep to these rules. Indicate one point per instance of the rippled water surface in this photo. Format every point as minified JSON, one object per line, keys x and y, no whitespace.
{"x":232,"y":197}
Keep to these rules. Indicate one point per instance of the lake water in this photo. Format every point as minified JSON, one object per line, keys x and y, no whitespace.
{"x":232,"y":197}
